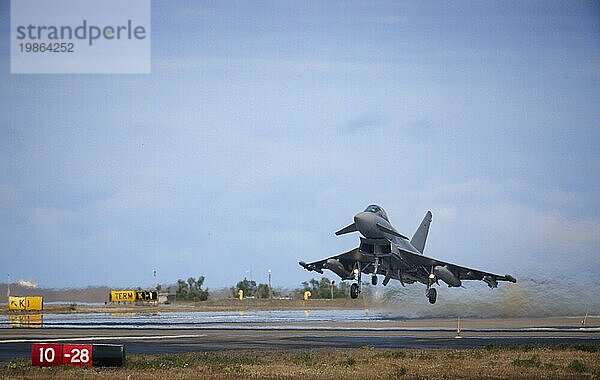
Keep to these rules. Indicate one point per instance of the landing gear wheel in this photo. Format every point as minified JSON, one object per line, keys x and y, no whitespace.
{"x":354,"y":291}
{"x":374,"y":280}
{"x":432,"y":295}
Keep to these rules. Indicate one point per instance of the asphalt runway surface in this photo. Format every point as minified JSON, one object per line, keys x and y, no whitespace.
{"x":338,"y":329}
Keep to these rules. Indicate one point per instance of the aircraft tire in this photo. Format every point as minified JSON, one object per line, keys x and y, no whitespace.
{"x":432,"y":295}
{"x":374,"y":280}
{"x":354,"y":291}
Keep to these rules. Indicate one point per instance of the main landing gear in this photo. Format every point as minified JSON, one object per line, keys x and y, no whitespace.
{"x":355,"y":288}
{"x":354,"y":291}
{"x":431,"y":293}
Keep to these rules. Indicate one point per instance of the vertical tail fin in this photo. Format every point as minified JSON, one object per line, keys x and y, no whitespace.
{"x":420,"y":237}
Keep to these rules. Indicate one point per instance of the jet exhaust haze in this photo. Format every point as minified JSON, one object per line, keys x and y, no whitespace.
{"x":530,"y":297}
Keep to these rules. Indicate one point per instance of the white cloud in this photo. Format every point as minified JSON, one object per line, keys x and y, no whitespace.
{"x":546,"y":231}
{"x":445,"y":213}
{"x":490,"y":191}
{"x":478,"y":187}
{"x":139,"y":200}
{"x":512,"y":223}
{"x":49,"y":222}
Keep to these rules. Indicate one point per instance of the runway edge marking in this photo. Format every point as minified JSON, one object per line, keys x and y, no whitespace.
{"x":79,"y":339}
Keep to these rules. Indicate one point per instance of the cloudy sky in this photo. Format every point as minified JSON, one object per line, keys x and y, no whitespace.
{"x":265,"y":126}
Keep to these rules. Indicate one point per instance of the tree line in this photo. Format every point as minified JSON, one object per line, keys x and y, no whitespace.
{"x":192,"y":289}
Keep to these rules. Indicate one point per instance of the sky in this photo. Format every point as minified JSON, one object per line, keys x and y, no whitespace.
{"x":266,"y":126}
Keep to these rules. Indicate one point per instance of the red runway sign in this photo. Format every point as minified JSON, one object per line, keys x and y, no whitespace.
{"x":77,"y":355}
{"x":81,"y":355}
{"x":46,"y":355}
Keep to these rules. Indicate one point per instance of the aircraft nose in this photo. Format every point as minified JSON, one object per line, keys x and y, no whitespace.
{"x":363,"y":220}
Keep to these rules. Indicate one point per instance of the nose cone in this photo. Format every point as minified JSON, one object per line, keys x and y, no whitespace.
{"x":362,"y":217}
{"x":365,"y":223}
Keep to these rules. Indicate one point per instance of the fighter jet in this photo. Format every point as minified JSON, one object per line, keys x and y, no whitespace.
{"x":384,"y":251}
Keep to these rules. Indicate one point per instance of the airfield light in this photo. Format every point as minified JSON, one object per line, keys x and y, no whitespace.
{"x":270,"y":291}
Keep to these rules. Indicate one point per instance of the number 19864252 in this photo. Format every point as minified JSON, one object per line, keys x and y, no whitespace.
{"x":51,"y":47}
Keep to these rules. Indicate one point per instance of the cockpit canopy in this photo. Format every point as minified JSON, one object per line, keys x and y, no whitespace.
{"x":377,"y":210}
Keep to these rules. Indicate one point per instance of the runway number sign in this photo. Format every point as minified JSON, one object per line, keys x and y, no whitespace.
{"x":80,"y":355}
{"x":77,"y":355}
{"x":46,"y":355}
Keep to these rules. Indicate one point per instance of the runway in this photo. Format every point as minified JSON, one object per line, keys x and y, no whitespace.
{"x":325,"y":329}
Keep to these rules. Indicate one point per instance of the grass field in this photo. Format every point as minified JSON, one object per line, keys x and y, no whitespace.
{"x":534,"y":362}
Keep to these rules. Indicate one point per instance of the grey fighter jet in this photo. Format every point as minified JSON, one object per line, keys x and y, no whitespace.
{"x":384,"y":251}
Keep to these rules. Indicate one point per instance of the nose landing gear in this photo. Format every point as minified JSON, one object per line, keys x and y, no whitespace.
{"x":375,"y":269}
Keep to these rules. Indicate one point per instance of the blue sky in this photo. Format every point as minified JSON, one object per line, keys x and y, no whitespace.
{"x":264,"y":127}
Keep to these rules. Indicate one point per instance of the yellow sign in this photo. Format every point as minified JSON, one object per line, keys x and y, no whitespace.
{"x":16,"y":303}
{"x":122,"y":295}
{"x":241,"y":294}
{"x":34,"y":303}
{"x":25,"y":320}
{"x":25,"y":303}
{"x":307,"y":295}
{"x":146,"y":296}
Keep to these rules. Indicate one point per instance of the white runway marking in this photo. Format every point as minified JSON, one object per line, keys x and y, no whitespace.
{"x":79,"y":339}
